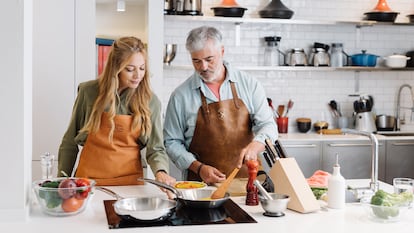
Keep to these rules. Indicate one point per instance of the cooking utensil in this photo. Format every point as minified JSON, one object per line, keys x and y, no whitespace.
{"x":220,"y":192}
{"x":169,"y":53}
{"x":276,"y":9}
{"x":280,"y":110}
{"x":197,"y":198}
{"x":364,"y":59}
{"x":271,"y":150}
{"x":262,"y":190}
{"x":267,"y":158}
{"x":385,"y":122}
{"x":141,"y":208}
{"x":396,"y":61}
{"x":281,"y":151}
{"x":229,"y":8}
{"x":276,"y":206}
{"x":381,"y":16}
{"x":334,"y":107}
{"x":290,"y":106}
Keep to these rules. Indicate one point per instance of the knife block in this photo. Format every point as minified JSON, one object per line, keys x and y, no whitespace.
{"x":289,"y":179}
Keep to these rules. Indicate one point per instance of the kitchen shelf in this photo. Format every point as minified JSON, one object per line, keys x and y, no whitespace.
{"x":301,"y":68}
{"x":238,"y":20}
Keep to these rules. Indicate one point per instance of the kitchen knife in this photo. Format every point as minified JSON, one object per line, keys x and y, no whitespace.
{"x":282,"y":150}
{"x":267,"y":158}
{"x":271,"y":148}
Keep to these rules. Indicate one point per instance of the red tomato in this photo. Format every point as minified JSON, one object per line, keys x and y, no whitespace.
{"x":71,"y":204}
{"x":80,"y":182}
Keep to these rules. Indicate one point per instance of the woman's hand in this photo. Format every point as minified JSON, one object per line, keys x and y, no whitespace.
{"x":163,"y":177}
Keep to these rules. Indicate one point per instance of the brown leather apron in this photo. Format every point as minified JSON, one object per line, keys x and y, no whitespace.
{"x":116,"y":163}
{"x":222,"y":130}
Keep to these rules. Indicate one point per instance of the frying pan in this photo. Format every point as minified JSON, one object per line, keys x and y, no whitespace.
{"x":198,"y":198}
{"x":141,"y":208}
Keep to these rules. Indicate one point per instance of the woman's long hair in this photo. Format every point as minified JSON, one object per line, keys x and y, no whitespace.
{"x":108,"y":98}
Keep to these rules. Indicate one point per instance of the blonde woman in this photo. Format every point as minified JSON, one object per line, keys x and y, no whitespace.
{"x":115,"y":117}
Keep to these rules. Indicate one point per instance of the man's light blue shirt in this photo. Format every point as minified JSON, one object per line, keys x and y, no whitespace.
{"x":185,"y":101}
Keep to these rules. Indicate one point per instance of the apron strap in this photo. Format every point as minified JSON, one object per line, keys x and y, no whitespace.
{"x":235,"y":96}
{"x":204,"y":106}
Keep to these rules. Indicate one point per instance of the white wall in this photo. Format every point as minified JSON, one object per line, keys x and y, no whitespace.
{"x":16,"y":117}
{"x":310,"y":90}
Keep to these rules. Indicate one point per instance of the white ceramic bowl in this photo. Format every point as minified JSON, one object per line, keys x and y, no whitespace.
{"x":396,"y":61}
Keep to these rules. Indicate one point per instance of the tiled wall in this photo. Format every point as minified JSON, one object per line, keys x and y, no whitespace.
{"x":311,"y":91}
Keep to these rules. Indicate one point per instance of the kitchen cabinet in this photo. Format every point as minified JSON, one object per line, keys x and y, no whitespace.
{"x":354,"y":158}
{"x":307,"y":155}
{"x":399,"y":159}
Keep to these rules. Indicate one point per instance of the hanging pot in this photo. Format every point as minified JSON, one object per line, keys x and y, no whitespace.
{"x":276,"y":9}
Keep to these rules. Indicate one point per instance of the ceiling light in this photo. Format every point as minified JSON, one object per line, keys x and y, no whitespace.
{"x":120,"y":5}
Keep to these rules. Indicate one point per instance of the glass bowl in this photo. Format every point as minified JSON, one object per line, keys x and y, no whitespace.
{"x":63,"y":196}
{"x":383,"y":213}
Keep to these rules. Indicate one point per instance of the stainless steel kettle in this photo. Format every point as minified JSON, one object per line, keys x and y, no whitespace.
{"x":192,"y":7}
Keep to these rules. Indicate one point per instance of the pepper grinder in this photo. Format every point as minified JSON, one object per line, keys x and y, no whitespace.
{"x":46,"y":162}
{"x":251,"y":189}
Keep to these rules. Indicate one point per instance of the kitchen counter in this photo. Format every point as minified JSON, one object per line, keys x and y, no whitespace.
{"x":93,"y":219}
{"x":312,"y":136}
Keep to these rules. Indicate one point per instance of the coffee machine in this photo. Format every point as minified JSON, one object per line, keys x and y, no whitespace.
{"x":364,"y":118}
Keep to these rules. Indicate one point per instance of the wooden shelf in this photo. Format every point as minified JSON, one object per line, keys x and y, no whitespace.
{"x":302,"y":68}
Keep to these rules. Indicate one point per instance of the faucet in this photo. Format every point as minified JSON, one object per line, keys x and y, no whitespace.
{"x":398,"y":108}
{"x":374,"y":184}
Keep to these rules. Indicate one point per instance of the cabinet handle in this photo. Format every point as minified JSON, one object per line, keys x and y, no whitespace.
{"x":403,"y":144}
{"x":300,"y":146}
{"x":349,"y":145}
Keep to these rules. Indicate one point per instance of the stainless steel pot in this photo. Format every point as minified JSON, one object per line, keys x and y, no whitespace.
{"x":198,"y":198}
{"x":141,"y":208}
{"x":385,"y":123}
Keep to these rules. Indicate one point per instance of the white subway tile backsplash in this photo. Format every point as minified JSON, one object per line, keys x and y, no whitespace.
{"x":310,"y":90}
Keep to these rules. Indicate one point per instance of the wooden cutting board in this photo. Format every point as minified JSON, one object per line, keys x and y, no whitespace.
{"x":238,"y":186}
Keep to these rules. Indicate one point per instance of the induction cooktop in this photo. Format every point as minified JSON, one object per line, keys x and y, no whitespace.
{"x":228,"y":213}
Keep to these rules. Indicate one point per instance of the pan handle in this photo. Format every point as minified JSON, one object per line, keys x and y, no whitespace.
{"x":162,"y":185}
{"x":110,"y":192}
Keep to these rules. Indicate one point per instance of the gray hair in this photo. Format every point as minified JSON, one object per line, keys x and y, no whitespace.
{"x":198,"y":37}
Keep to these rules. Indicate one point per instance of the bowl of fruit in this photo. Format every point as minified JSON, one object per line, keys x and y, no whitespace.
{"x":63,"y":196}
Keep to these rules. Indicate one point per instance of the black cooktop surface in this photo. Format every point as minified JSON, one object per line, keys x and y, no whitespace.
{"x":228,"y":213}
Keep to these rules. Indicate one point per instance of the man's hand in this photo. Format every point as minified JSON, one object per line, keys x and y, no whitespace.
{"x":211,"y":175}
{"x":250,"y":152}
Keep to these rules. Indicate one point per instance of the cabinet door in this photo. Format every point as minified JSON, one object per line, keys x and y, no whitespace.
{"x":307,"y":155}
{"x":399,"y":159}
{"x":354,"y":158}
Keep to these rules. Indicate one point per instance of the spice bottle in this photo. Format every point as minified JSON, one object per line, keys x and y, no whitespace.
{"x":251,"y":189}
{"x":336,"y":188}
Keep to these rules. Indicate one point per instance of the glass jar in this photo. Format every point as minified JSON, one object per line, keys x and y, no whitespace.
{"x":338,"y":58}
{"x":46,"y":163}
{"x":271,"y":54}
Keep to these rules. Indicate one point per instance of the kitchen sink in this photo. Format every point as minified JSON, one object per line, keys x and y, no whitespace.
{"x":396,"y":133}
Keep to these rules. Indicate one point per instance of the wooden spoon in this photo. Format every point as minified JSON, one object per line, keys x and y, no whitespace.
{"x":280,"y":110}
{"x":221,"y":191}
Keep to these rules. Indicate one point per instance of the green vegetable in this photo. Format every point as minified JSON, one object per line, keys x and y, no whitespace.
{"x":390,"y":203}
{"x":51,"y":196}
{"x":318,"y":192}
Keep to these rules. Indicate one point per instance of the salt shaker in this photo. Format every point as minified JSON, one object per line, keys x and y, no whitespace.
{"x":46,"y":162}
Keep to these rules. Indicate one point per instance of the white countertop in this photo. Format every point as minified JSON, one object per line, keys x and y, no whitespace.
{"x":93,"y":219}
